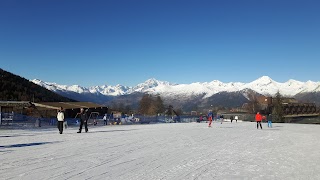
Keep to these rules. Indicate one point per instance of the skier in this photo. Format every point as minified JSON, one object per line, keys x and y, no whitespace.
{"x":258,"y":120}
{"x":231,"y":118}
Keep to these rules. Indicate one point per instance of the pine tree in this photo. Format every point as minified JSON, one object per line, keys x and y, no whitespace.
{"x":152,"y":110}
{"x":127,"y":109}
{"x":159,"y":105}
{"x":149,"y":105}
{"x":144,"y":104}
{"x":277,"y":110}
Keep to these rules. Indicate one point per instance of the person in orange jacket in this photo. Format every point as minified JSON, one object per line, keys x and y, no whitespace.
{"x":258,"y":120}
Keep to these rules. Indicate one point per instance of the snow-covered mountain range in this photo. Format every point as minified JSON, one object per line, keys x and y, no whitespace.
{"x":189,"y":96}
{"x":263,"y":85}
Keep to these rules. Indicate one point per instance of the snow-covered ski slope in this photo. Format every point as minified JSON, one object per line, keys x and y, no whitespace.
{"x":163,"y":151}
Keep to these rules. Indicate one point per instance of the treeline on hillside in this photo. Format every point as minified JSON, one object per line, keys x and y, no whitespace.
{"x":146,"y":104}
{"x":151,"y":105}
{"x":16,"y":88}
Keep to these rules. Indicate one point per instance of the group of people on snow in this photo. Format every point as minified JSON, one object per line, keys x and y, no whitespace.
{"x":83,"y":116}
{"x":258,"y":119}
{"x":62,"y":123}
{"x":210,"y":117}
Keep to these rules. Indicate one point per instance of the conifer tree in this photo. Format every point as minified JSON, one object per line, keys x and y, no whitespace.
{"x":149,"y":105}
{"x":144,"y":104}
{"x":277,"y":110}
{"x":159,"y":105}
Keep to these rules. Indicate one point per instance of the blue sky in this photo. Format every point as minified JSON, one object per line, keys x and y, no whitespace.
{"x":129,"y":41}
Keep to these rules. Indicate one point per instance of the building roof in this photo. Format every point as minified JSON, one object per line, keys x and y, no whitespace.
{"x":15,"y":103}
{"x":67,"y":105}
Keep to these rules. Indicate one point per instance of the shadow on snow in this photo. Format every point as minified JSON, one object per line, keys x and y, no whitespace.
{"x":27,"y":144}
{"x":112,"y":131}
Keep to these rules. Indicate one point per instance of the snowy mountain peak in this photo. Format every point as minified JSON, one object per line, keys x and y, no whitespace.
{"x":293,"y":82}
{"x":263,"y":85}
{"x":151,"y":83}
{"x":216,"y":83}
{"x":38,"y":81}
{"x":151,"y":80}
{"x":154,"y":82}
{"x":264,"y":80}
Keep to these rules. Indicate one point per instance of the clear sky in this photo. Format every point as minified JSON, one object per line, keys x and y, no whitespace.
{"x":90,"y":42}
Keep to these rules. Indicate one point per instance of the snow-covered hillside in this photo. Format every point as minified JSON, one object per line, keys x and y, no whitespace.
{"x":264,"y":85}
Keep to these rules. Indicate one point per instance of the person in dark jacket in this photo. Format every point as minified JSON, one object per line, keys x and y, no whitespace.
{"x":111,"y":118}
{"x":83,"y":120}
{"x":221,"y":118}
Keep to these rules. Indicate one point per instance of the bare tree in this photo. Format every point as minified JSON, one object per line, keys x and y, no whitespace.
{"x":253,"y":105}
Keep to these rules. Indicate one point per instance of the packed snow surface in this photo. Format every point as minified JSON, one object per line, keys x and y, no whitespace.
{"x":162,"y":151}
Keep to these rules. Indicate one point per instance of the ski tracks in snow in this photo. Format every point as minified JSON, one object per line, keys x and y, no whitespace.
{"x":163,"y":151}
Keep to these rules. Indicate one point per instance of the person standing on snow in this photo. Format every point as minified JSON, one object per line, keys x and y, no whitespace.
{"x":221,"y":118}
{"x":269,"y":118}
{"x":83,"y":120}
{"x":105,"y":119}
{"x":236,"y":118}
{"x":200,"y":119}
{"x":258,"y":120}
{"x":111,"y":118}
{"x":210,"y":115}
{"x":60,"y":118}
{"x":65,"y":122}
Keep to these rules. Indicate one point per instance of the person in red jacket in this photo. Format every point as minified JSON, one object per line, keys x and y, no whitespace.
{"x":258,"y":120}
{"x":210,"y":115}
